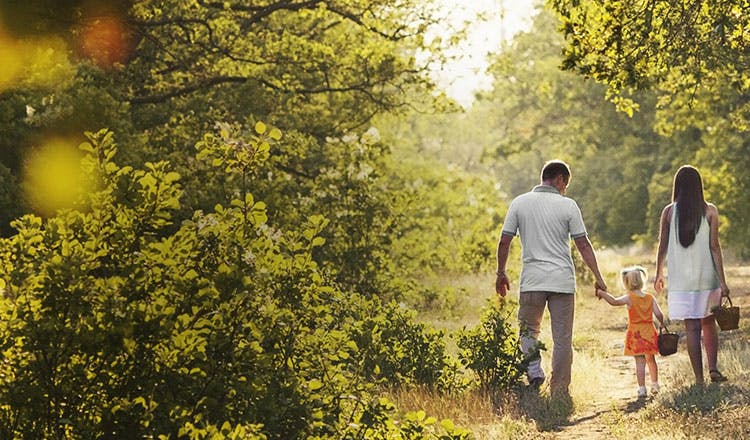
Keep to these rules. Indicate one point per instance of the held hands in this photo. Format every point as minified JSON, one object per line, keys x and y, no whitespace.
{"x":599,"y":285}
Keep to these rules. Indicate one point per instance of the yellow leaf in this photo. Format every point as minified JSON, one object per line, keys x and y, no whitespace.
{"x":448,"y":425}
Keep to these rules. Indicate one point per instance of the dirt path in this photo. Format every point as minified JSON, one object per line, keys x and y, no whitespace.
{"x":609,"y":385}
{"x":619,"y":396}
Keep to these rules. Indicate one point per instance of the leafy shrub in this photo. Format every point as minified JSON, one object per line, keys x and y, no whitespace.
{"x":492,"y":350}
{"x":118,"y":323}
{"x":395,"y":349}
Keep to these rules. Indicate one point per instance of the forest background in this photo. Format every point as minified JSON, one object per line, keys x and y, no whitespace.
{"x":221,"y":217}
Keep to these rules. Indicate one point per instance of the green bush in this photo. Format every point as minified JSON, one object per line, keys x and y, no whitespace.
{"x":492,"y":350}
{"x":118,"y":323}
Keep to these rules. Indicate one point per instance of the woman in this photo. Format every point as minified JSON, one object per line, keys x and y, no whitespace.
{"x":689,"y":240}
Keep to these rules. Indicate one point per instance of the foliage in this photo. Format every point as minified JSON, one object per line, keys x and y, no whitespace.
{"x":118,"y":322}
{"x":317,"y":69}
{"x":693,"y":57}
{"x":445,"y":204}
{"x":9,"y":199}
{"x":536,"y":112}
{"x":682,"y":48}
{"x":492,"y":350}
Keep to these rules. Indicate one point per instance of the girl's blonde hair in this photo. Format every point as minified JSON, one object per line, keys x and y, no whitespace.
{"x":634,"y":277}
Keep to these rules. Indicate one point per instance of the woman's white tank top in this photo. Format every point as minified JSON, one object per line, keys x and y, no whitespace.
{"x":690,"y":268}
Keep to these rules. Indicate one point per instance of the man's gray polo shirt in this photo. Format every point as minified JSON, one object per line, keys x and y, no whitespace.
{"x":545,"y":220}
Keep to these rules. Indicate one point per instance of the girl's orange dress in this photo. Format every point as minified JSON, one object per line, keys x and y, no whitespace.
{"x":641,"y":336}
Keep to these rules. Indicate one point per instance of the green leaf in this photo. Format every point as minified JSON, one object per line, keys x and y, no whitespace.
{"x":260,"y":127}
{"x":314,"y":385}
{"x":448,"y":425}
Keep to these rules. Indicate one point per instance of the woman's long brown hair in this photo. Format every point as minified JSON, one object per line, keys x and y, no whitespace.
{"x":687,"y":193}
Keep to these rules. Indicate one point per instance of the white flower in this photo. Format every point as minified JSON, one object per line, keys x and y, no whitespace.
{"x":371,"y":136}
{"x":207,"y":221}
{"x":249,"y":258}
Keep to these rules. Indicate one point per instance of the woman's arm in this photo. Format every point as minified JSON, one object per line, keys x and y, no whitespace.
{"x":658,"y":313}
{"x":661,"y":253}
{"x":712,"y":214}
{"x":619,"y":301}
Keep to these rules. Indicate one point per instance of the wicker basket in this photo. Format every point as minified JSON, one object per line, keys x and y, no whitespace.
{"x":728,"y":317}
{"x":667,"y":341}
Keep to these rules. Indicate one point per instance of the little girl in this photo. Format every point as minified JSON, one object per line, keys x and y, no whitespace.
{"x":640,"y":340}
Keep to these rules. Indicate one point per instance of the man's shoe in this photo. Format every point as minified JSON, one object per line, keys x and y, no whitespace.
{"x":655,"y":388}
{"x":642,"y":393}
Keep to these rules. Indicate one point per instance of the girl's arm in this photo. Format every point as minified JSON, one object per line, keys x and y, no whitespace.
{"x":619,"y":301}
{"x":658,"y":313}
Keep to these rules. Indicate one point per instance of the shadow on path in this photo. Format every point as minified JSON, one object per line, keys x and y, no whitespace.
{"x":548,"y":411}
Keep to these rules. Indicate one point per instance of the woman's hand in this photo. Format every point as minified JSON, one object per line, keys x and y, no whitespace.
{"x":724,"y":290}
{"x":659,"y":283}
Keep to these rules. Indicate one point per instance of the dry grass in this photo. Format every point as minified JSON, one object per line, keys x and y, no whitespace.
{"x":689,"y":411}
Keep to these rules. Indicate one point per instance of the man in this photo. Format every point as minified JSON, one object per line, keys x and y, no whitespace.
{"x":546,"y":220}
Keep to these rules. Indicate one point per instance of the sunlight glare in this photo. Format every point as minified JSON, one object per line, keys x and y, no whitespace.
{"x":105,"y":40}
{"x":40,"y":62}
{"x":53,"y":178}
{"x":491,"y":23}
{"x":12,"y":62}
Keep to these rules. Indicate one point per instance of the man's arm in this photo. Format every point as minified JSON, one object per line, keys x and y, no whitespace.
{"x":502,"y":282}
{"x":589,"y":257}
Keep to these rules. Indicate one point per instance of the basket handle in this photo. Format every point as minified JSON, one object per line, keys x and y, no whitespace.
{"x":663,"y":329}
{"x":728,"y":299}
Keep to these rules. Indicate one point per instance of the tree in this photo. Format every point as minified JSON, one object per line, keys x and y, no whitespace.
{"x":693,"y":55}
{"x":536,"y":112}
{"x":319,"y":68}
{"x":116,"y":324}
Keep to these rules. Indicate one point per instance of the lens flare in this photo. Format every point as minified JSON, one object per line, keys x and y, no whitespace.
{"x":105,"y":40}
{"x":40,"y":62}
{"x":12,"y":63}
{"x":52,"y":176}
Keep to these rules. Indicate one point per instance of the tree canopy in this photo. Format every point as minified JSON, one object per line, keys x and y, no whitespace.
{"x":693,"y":56}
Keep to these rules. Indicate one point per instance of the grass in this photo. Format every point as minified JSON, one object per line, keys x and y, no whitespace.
{"x":711,"y":411}
{"x":603,"y":383}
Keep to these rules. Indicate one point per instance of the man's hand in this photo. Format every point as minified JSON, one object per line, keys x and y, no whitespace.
{"x":502,"y":284}
{"x":600,"y":285}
